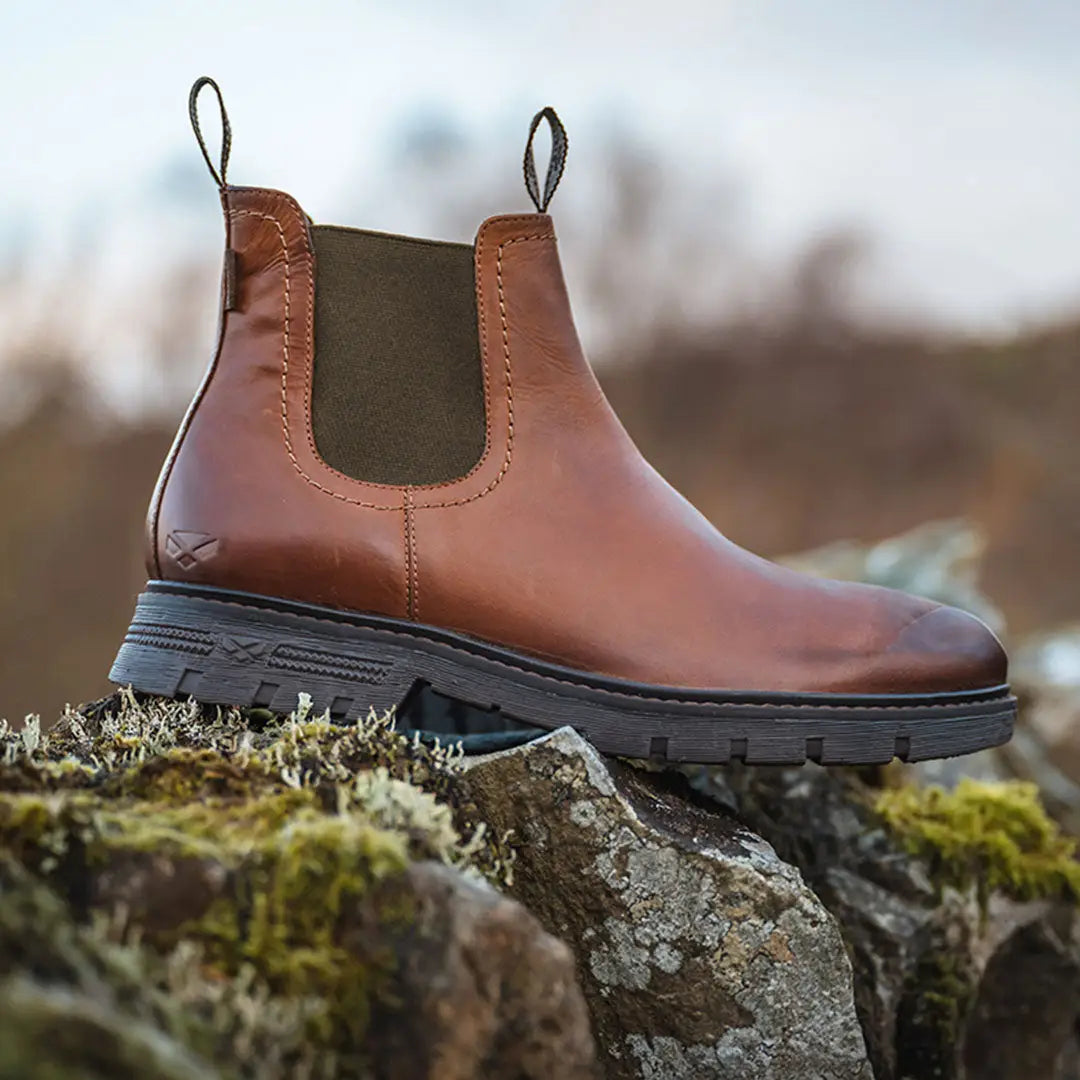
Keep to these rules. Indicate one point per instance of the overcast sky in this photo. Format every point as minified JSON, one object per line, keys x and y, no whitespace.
{"x":951,"y":130}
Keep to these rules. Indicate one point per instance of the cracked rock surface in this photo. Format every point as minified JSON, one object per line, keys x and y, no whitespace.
{"x":702,"y":955}
{"x":948,"y":986}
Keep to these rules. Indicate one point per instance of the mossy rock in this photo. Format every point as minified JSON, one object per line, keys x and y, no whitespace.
{"x":267,"y":875}
{"x":991,"y":837}
{"x":959,"y":910}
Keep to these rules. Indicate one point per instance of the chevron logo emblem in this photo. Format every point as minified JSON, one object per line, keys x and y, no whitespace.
{"x":243,"y":649}
{"x":188,"y":548}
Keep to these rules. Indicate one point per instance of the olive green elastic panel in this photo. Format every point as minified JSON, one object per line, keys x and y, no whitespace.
{"x":398,"y":390}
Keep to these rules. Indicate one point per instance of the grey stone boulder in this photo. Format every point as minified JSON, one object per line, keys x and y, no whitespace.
{"x":952,"y":982}
{"x":478,"y":991}
{"x":702,"y":955}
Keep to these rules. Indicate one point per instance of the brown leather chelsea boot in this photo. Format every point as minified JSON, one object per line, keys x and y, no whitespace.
{"x":400,"y":471}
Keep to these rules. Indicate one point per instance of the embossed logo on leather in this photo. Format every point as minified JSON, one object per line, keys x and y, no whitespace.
{"x":188,"y":548}
{"x":243,"y":649}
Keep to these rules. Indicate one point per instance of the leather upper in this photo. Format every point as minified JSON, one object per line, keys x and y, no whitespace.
{"x":562,"y":542}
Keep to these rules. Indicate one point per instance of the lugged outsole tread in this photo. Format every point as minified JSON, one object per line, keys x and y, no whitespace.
{"x":247,"y":654}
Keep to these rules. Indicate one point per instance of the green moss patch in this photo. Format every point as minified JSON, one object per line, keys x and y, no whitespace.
{"x":987,"y":836}
{"x":244,"y":868}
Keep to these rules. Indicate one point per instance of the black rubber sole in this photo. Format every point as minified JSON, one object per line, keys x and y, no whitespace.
{"x":229,"y":648}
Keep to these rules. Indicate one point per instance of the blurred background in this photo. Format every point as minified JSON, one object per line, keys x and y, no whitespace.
{"x":824,"y":255}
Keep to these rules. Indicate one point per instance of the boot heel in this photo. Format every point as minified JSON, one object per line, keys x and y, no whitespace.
{"x":227,"y":654}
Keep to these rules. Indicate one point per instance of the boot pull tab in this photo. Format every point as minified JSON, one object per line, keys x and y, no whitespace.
{"x":226,"y":130}
{"x":559,"y":144}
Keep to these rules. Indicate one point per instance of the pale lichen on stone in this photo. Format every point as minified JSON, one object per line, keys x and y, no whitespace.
{"x":703,"y":955}
{"x":954,"y":908}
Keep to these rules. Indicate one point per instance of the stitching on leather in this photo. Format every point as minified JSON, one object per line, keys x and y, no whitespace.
{"x":484,"y":365}
{"x":165,"y":476}
{"x":759,"y":706}
{"x":509,"y":380}
{"x":307,"y":390}
{"x":415,"y":562}
{"x":411,"y":573}
{"x":487,"y":412}
{"x":407,"y":549}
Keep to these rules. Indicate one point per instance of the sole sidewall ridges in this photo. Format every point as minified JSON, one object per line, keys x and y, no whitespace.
{"x":233,"y":653}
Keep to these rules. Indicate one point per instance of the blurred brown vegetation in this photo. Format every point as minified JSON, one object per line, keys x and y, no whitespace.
{"x":74,"y":493}
{"x":788,"y":430}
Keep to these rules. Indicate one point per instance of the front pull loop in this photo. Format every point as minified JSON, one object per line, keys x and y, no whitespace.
{"x":559,"y":144}
{"x":226,"y":131}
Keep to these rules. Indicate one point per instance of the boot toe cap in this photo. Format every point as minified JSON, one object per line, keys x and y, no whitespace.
{"x":946,"y":649}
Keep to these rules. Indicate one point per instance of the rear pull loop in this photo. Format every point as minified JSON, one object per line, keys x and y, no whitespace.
{"x":226,"y":131}
{"x":559,"y":144}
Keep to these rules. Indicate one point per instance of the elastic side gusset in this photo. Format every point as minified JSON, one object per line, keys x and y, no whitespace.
{"x":397,"y":395}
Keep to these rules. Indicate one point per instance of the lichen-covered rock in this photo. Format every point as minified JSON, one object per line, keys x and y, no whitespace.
{"x":702,"y":955}
{"x":958,"y":909}
{"x":266,"y":899}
